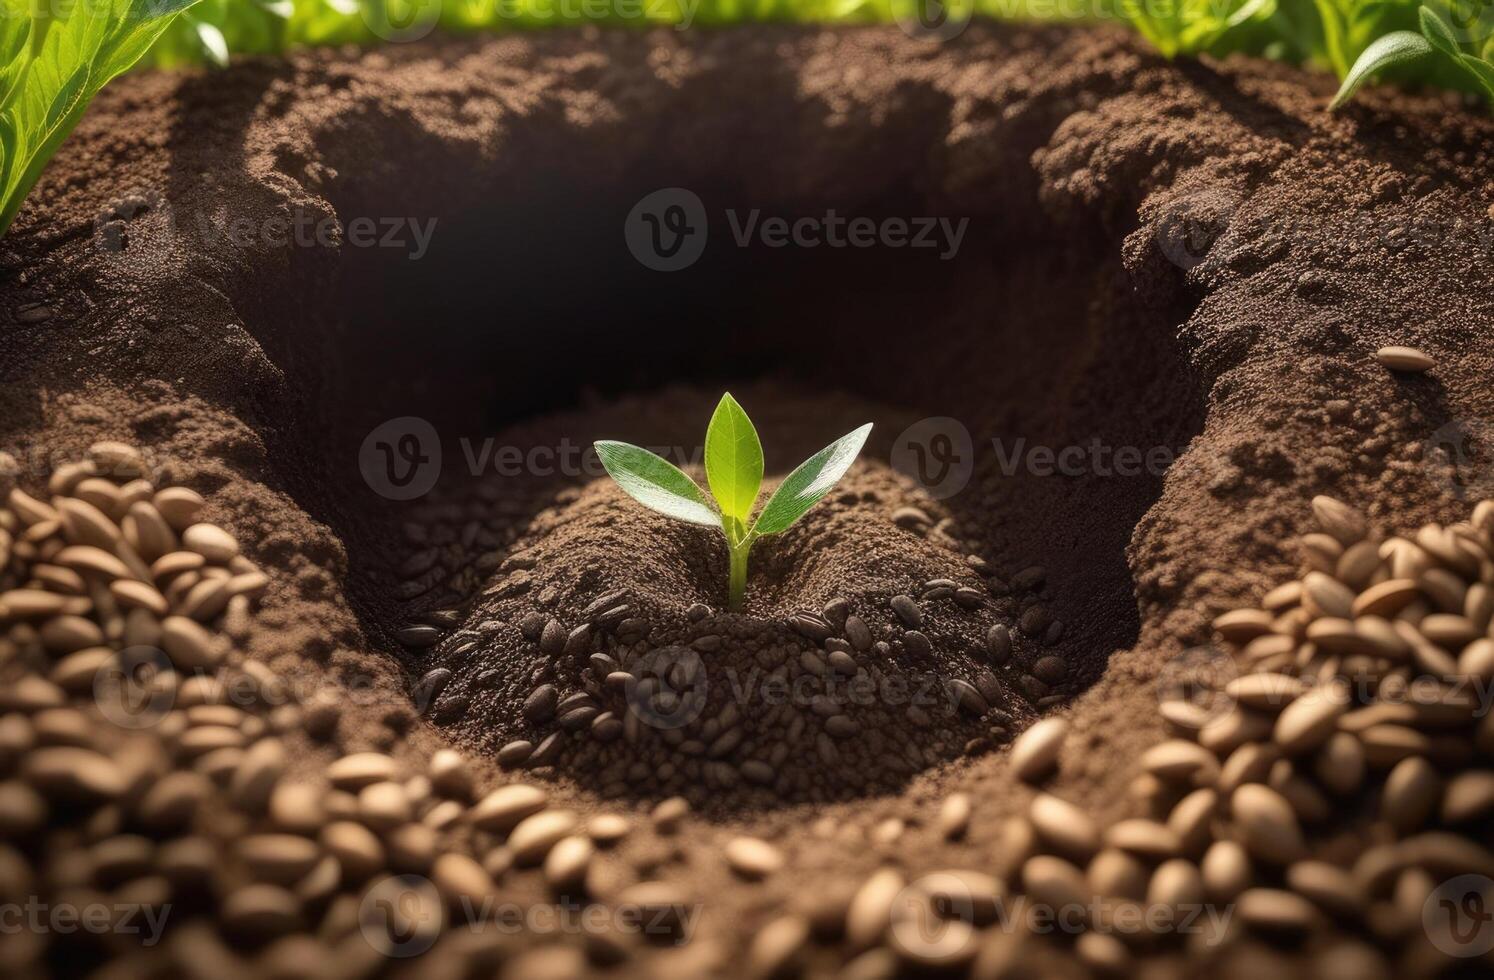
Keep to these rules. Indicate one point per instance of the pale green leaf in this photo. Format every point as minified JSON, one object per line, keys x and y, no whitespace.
{"x":733,"y":459}
{"x":808,"y":484}
{"x":656,"y":483}
{"x":1395,"y":48}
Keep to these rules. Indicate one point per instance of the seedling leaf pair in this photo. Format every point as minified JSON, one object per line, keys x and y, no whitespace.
{"x":734,"y":472}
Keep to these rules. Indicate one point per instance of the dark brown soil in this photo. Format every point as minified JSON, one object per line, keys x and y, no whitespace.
{"x":1193,"y":257}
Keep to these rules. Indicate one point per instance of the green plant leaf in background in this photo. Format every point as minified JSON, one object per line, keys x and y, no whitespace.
{"x":808,"y":484}
{"x":1393,"y":49}
{"x":656,"y":483}
{"x":72,"y":51}
{"x":733,"y":461}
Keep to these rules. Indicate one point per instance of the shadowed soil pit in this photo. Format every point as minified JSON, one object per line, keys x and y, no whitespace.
{"x":1026,"y":409}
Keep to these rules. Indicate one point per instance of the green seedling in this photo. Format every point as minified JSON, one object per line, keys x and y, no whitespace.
{"x":734,"y":471}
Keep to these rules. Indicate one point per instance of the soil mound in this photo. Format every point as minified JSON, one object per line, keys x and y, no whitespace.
{"x":869,"y":648}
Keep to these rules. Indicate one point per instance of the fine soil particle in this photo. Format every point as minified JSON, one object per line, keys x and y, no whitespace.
{"x":1192,"y":259}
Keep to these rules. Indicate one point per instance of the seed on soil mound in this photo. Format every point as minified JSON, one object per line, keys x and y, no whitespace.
{"x":1407,"y":359}
{"x":1035,"y":752}
{"x":753,"y":858}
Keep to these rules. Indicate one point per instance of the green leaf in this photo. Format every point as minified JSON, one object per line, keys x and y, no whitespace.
{"x":808,"y":484}
{"x":733,"y":460}
{"x":75,"y":49}
{"x":1480,"y":71}
{"x":214,"y":47}
{"x":656,"y":483}
{"x":1394,"y":48}
{"x":1438,"y":31}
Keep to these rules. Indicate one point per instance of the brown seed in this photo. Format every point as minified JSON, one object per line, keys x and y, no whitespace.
{"x":870,"y":912}
{"x":1327,"y":596}
{"x":1268,"y":827}
{"x":1055,"y":884}
{"x":778,"y":947}
{"x":353,"y":772}
{"x":1307,"y":722}
{"x":1144,"y":838}
{"x":211,"y":542}
{"x":91,"y":560}
{"x":503,"y":808}
{"x":260,"y":912}
{"x":1176,"y":884}
{"x":670,"y":813}
{"x":608,"y":828}
{"x":532,"y":839}
{"x":1064,"y":826}
{"x":1386,"y":598}
{"x":1338,"y":519}
{"x":257,"y":774}
{"x":567,"y":863}
{"x":1190,"y":820}
{"x":1276,"y":911}
{"x":1117,"y":875}
{"x":1469,"y":796}
{"x":278,"y":858}
{"x":1339,"y":764}
{"x":1411,"y":794}
{"x":753,"y":858}
{"x":1243,"y":625}
{"x":1265,"y":691}
{"x":22,"y":810}
{"x":1331,"y":888}
{"x":954,"y":816}
{"x":1179,"y":761}
{"x":73,"y":774}
{"x":356,"y":848}
{"x":1226,"y":870}
{"x":461,"y":881}
{"x":1406,"y":359}
{"x":188,"y":644}
{"x":1035,"y":752}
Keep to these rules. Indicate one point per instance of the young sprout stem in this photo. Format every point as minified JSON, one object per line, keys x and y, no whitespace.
{"x":738,"y":586}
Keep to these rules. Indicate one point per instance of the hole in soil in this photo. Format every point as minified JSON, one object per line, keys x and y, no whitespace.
{"x":547,"y":620}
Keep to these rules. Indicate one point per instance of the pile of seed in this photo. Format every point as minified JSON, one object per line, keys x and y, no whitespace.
{"x":1319,"y":797}
{"x":182,"y":807}
{"x":651,"y":698}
